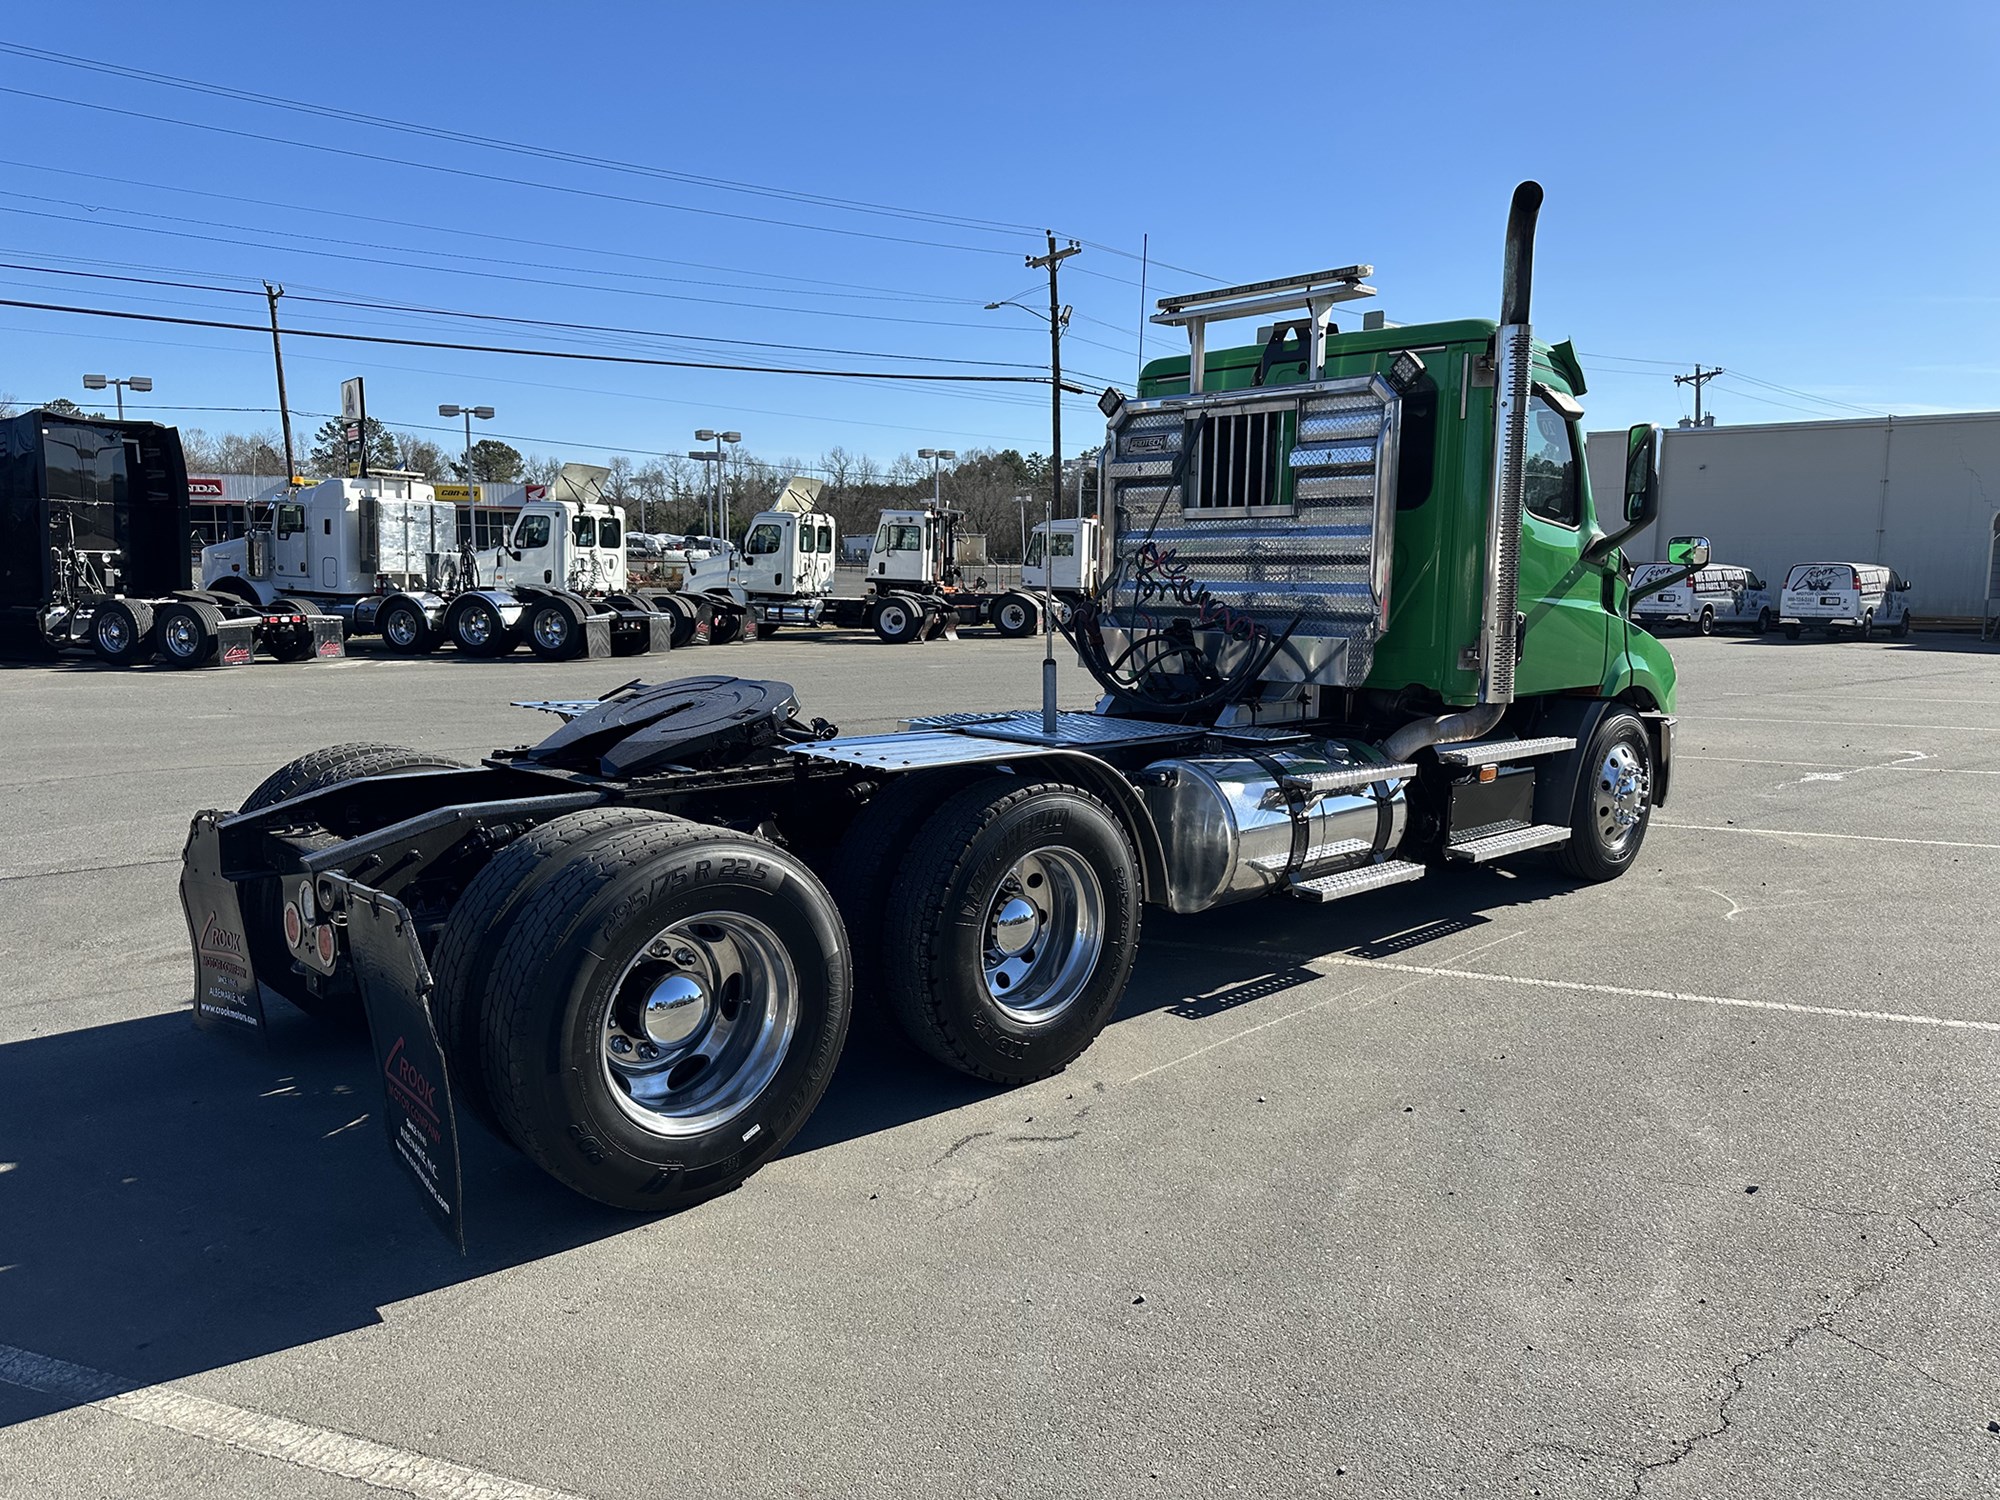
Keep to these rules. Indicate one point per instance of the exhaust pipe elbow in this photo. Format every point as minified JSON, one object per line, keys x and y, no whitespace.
{"x":1445,"y":729}
{"x":1517,"y":276}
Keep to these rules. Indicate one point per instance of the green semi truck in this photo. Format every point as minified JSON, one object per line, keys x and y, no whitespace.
{"x":1357,"y":617}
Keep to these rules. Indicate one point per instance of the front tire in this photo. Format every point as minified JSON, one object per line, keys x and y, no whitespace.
{"x":1763,"y":622}
{"x":1614,"y":801}
{"x":666,"y":1011}
{"x":1016,"y":919}
{"x":1904,"y":627}
{"x":1791,"y":632}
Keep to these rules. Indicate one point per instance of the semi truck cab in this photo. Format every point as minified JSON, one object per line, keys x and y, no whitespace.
{"x":1062,"y":556}
{"x":568,"y":544}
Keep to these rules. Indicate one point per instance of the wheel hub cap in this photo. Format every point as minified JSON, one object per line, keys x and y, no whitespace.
{"x":476,"y":626}
{"x":551,"y":629}
{"x":1044,"y":935}
{"x":1621,"y":793}
{"x":676,"y":1011}
{"x":401,"y":629}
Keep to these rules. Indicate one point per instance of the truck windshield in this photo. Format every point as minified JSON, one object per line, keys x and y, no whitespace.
{"x":1034,"y":552}
{"x":531,"y":531}
{"x":763,"y":539}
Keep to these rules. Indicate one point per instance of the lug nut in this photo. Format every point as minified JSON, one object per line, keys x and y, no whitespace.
{"x":621,"y":1045}
{"x":684,"y":957}
{"x":647,"y":1052}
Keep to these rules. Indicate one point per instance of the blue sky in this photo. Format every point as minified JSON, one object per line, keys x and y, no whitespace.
{"x":1804,"y":194}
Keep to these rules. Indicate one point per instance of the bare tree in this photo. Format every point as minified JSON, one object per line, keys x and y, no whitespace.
{"x":540,"y":468}
{"x":419,"y":455}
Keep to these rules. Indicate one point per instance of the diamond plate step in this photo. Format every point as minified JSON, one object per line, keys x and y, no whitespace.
{"x":1354,"y":882}
{"x":1497,"y":839}
{"x":1319,"y":854}
{"x":1340,"y":779}
{"x":1493,"y":752}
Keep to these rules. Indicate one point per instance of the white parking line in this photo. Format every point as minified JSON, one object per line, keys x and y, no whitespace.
{"x":1835,"y":765}
{"x":1850,"y":724}
{"x":1800,"y":833}
{"x":296,"y":1443}
{"x":1626,"y":992}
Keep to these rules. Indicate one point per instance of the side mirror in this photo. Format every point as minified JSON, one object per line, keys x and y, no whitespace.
{"x":1688,"y":551}
{"x":1642,"y":474}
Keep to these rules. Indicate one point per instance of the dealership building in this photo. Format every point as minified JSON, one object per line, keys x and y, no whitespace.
{"x":1921,"y":494}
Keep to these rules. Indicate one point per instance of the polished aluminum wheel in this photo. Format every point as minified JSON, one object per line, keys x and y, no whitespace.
{"x":181,"y":635}
{"x":1620,"y":796}
{"x":1044,"y":935}
{"x":552,"y":629}
{"x":401,"y":628}
{"x":477,"y":625}
{"x":699,"y":1023}
{"x":113,"y":633}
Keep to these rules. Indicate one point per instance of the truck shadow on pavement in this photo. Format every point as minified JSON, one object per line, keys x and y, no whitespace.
{"x":172,"y":1202}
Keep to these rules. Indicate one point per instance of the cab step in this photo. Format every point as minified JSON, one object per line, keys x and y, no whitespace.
{"x":1493,"y":841}
{"x":1341,"y":779}
{"x":1354,"y":882}
{"x":1499,"y":752}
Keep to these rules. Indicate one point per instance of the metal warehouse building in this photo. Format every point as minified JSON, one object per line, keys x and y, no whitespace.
{"x":1921,"y":494}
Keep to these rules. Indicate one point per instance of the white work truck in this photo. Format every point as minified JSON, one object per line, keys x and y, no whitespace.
{"x":387,"y":557}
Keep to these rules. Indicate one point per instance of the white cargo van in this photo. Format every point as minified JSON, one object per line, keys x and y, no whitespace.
{"x":1717,"y":597}
{"x":1844,"y":596}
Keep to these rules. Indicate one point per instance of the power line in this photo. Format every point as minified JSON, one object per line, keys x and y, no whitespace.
{"x":496,"y":177}
{"x":408,"y":265}
{"x":490,"y":143}
{"x":443,"y":312}
{"x":616,"y":359}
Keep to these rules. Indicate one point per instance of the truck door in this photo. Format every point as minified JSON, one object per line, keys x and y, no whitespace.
{"x":767,"y":556}
{"x":292,"y":547}
{"x":1563,"y":599}
{"x":534,"y":544}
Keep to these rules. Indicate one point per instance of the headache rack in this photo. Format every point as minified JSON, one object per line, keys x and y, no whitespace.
{"x":1266,"y":509}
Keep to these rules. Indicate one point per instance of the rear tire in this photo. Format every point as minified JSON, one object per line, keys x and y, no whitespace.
{"x":1706,"y":625}
{"x":898,"y":619}
{"x":462,"y":962}
{"x":725,"y":626}
{"x":121,"y":633}
{"x":1867,"y":630}
{"x":406,"y":629}
{"x":475,"y":627}
{"x":1614,"y":800}
{"x":338,"y":1002}
{"x":1015,"y":920}
{"x":666,"y":1011}
{"x":1016,"y":616}
{"x":184,"y":632}
{"x":1791,"y":632}
{"x":293,"y":645}
{"x":555,"y":631}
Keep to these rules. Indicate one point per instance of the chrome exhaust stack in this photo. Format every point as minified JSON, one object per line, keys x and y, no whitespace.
{"x":1499,"y":625}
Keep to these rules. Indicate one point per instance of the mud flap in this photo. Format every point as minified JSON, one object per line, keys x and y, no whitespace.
{"x":416,"y":1090}
{"x":226,"y":997}
{"x":235,"y":643}
{"x":596,"y":636}
{"x":329,"y":640}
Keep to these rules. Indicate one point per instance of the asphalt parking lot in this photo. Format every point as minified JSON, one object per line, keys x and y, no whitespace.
{"x":1685,"y":1185}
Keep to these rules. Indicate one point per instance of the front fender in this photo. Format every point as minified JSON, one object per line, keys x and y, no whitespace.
{"x":1642,"y":674}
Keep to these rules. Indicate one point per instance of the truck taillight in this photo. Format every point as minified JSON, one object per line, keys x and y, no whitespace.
{"x":1855,"y":574}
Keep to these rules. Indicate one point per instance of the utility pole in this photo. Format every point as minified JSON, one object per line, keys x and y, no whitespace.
{"x":1699,"y":379}
{"x":272,"y":294}
{"x":1052,"y":262}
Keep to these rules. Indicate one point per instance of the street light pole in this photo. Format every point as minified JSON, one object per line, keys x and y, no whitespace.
{"x":937,"y":456}
{"x":485,"y":414}
{"x":140,"y":383}
{"x":718,"y":523}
